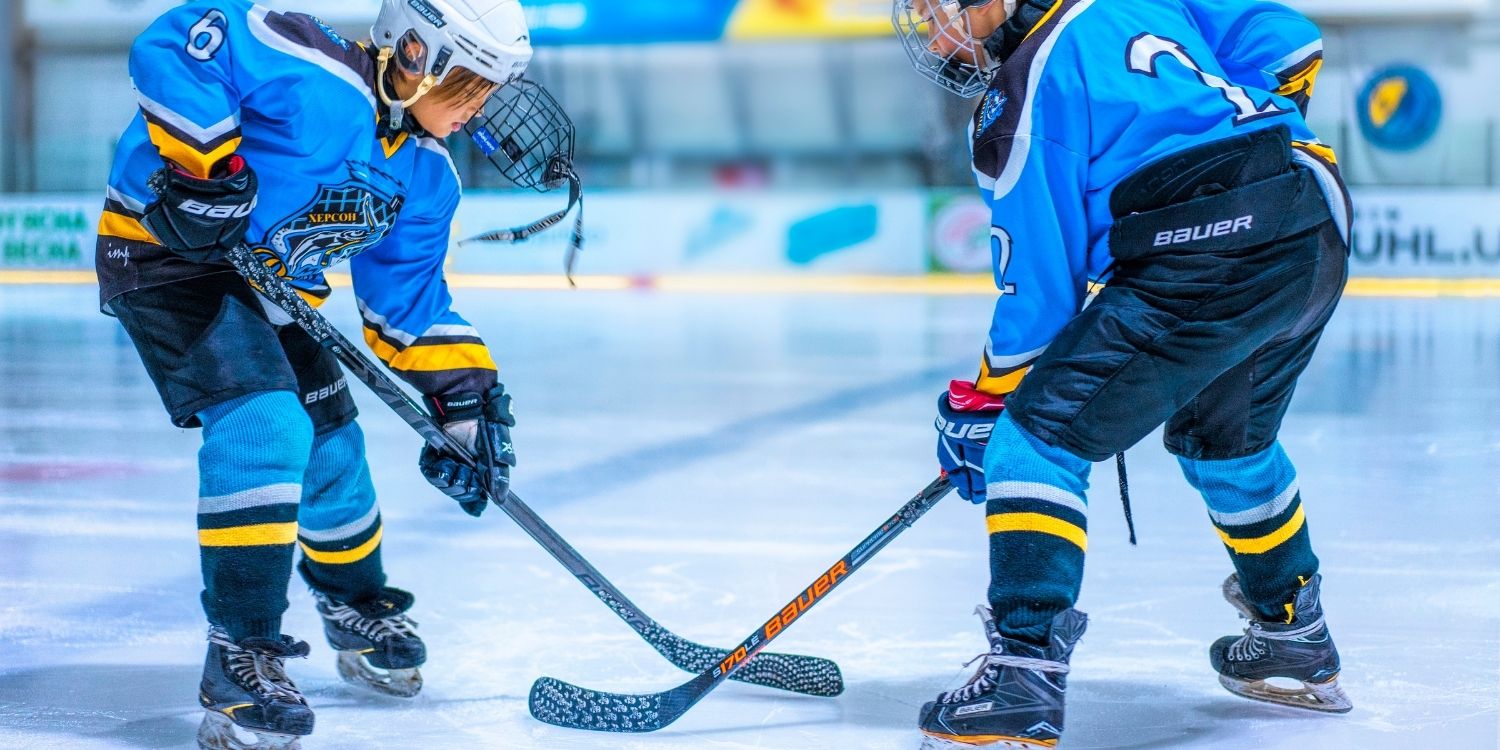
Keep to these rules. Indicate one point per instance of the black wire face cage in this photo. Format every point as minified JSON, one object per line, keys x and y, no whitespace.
{"x":920,"y":22}
{"x":527,"y":136}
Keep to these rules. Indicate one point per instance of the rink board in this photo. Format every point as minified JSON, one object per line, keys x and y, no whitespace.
{"x":1435,"y":234}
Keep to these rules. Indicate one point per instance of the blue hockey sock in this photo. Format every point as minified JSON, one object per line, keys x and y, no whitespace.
{"x":254,"y":453}
{"x":339,"y":527}
{"x":1037,"y":519}
{"x":1257,"y":509}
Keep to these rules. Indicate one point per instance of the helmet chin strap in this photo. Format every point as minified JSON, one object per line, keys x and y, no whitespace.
{"x":398,"y":107}
{"x":1010,"y":7}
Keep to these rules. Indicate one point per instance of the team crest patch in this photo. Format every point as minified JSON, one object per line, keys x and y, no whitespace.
{"x":992,"y":108}
{"x":342,"y":221}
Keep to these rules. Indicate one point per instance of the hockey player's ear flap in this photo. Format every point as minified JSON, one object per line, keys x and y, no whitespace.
{"x":411,"y":54}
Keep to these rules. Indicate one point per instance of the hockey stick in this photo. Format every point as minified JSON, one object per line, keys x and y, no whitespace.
{"x":800,"y":674}
{"x":567,"y":705}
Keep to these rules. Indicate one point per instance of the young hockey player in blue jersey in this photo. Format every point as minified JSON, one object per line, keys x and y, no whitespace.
{"x":269,"y":128}
{"x":1169,"y":240}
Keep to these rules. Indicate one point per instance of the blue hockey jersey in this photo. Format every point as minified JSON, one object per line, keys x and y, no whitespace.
{"x":1098,"y":89}
{"x":298,"y":102}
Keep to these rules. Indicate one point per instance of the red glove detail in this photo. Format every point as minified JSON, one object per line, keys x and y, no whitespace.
{"x":963,"y":396}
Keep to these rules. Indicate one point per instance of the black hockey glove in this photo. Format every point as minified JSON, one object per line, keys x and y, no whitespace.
{"x":197,"y":218}
{"x":481,"y":423}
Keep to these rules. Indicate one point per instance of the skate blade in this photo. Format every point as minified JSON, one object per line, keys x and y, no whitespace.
{"x":1326,"y":697}
{"x":950,"y":742}
{"x":398,"y":683}
{"x":218,"y":732}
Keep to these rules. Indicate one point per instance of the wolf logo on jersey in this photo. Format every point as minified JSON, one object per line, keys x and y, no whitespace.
{"x":339,"y":223}
{"x":310,"y":246}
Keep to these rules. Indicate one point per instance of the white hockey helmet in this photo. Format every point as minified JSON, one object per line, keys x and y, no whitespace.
{"x":429,"y":38}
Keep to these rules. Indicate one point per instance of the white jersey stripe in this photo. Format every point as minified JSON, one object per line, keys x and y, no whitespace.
{"x":1020,"y":145}
{"x":200,"y":134}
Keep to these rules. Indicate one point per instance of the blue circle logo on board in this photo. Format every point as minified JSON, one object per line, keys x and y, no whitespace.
{"x":1400,"y":108}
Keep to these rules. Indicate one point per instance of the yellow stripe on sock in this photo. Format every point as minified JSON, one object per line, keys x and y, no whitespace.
{"x":347,"y":556}
{"x":259,"y":535}
{"x":1263,"y":544}
{"x":1040,"y":523}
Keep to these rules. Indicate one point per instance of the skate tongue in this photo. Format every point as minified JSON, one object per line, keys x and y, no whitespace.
{"x":285,"y":647}
{"x":388,"y":603}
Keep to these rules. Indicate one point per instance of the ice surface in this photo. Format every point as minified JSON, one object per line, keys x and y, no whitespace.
{"x":712,"y":454}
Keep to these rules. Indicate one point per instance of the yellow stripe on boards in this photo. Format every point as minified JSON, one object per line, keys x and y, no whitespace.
{"x":434,"y":358}
{"x":1040,"y":523}
{"x":258,"y":535}
{"x":112,"y":224}
{"x":934,"y":285}
{"x":347,"y":556}
{"x":1263,"y":544}
{"x":185,"y":155}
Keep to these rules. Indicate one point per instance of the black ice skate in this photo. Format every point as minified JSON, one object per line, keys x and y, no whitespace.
{"x":1299,"y":655}
{"x":377,"y":643}
{"x":1014,"y":700}
{"x":251,"y":703}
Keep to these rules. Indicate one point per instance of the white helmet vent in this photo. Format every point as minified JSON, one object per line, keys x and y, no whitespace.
{"x":489,"y":37}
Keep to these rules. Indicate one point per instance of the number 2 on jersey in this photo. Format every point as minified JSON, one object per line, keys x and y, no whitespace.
{"x":1000,"y":243}
{"x":1144,"y":50}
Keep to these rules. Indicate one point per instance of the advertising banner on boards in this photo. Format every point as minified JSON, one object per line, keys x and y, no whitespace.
{"x":1397,"y":233}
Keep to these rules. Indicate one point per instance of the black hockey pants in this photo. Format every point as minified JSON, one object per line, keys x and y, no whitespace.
{"x":1228,"y":266}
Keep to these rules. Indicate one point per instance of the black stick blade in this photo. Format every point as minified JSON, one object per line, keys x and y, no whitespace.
{"x":566,"y":705}
{"x":808,"y":675}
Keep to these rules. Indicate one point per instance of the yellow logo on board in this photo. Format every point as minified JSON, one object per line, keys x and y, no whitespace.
{"x":1385,"y":100}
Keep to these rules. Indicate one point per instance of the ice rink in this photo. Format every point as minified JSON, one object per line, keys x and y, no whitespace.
{"x":711,"y":454}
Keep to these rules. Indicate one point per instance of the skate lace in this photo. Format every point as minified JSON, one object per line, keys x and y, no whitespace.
{"x":988,"y":674}
{"x":1252,"y":645}
{"x":259,"y":672}
{"x":377,"y":628}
